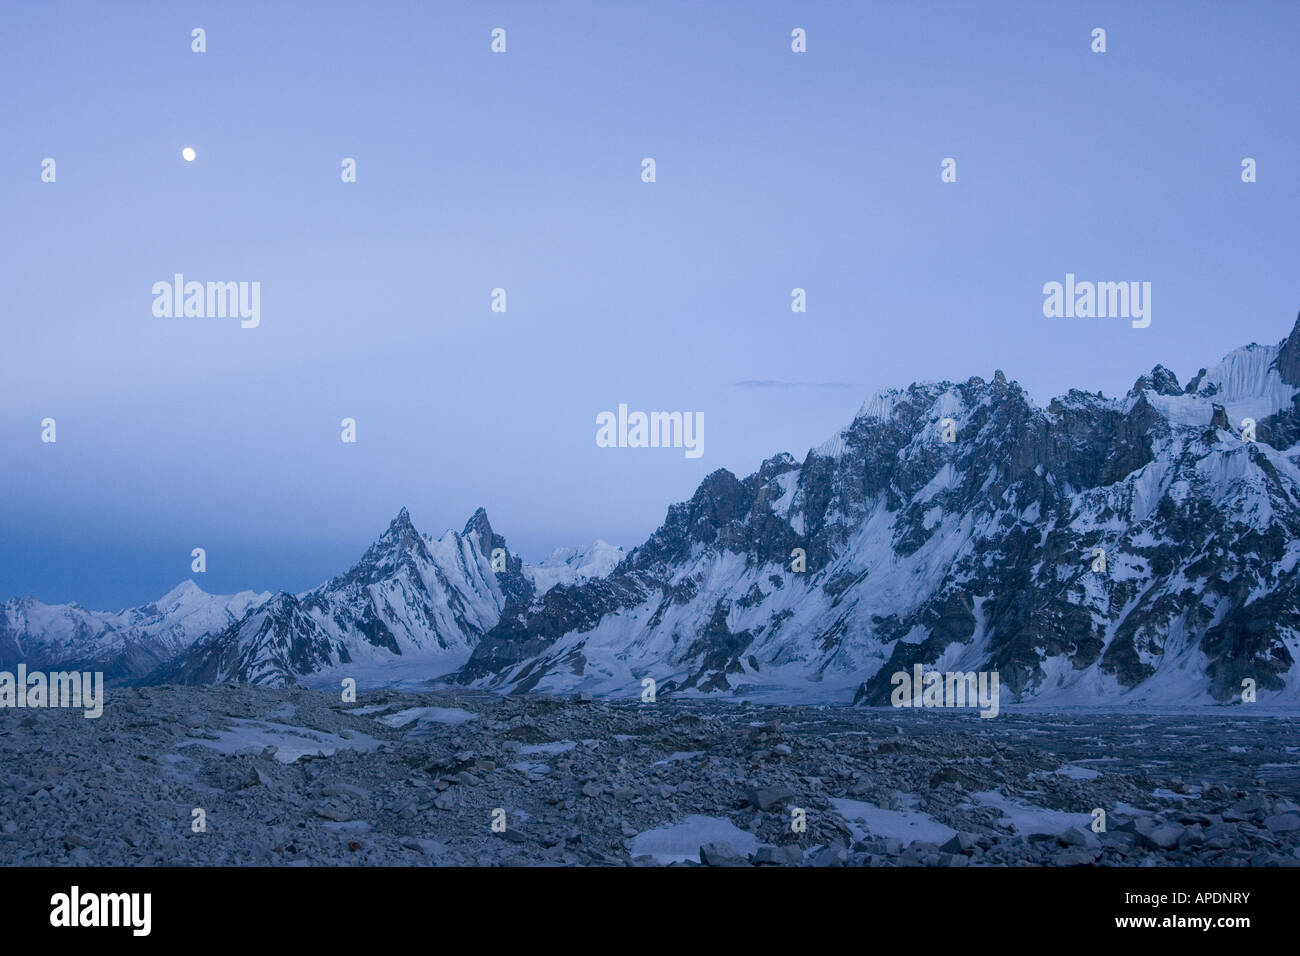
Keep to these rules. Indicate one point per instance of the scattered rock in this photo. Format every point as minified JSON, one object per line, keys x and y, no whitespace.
{"x":765,"y":798}
{"x":778,"y":855}
{"x":391,"y":797}
{"x":1163,"y":837}
{"x":720,"y":854}
{"x":1282,"y":823}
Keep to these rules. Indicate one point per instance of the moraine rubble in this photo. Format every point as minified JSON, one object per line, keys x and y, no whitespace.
{"x":296,"y":777}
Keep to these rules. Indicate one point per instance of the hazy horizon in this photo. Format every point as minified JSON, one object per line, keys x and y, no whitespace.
{"x":522,"y":171}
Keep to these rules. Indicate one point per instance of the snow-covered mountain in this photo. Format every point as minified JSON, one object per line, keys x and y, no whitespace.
{"x":974,"y":554}
{"x":125,"y":644}
{"x":575,"y":565}
{"x":887,"y":546}
{"x":409,"y":597}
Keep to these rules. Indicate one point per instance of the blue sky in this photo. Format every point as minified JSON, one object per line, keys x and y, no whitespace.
{"x":522,"y":171}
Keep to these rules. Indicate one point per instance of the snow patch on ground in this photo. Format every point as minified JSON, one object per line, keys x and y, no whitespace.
{"x":1029,"y":819}
{"x":552,"y":749}
{"x":292,"y":742}
{"x":1069,"y":771}
{"x":905,"y":825}
{"x":427,"y":715}
{"x":681,"y":842}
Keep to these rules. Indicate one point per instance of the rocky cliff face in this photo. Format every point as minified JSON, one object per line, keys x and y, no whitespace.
{"x":980,"y":553}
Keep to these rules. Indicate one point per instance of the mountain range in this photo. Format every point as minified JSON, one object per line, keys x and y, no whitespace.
{"x":1097,"y":550}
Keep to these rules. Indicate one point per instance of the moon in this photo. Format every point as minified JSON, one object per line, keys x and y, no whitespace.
{"x":188,"y":153}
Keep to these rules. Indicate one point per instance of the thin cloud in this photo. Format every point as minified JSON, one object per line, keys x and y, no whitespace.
{"x":774,"y":383}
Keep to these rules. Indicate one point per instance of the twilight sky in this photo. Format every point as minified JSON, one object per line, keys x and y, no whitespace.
{"x":522,"y":170}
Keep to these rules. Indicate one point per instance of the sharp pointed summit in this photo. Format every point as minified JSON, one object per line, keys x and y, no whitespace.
{"x":1160,"y":380}
{"x":400,"y":526}
{"x":408,"y":597}
{"x":479,"y":524}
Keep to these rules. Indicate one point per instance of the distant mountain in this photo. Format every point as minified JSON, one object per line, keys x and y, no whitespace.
{"x":974,"y":554}
{"x":409,"y":596}
{"x":575,"y":565}
{"x":124,"y":645}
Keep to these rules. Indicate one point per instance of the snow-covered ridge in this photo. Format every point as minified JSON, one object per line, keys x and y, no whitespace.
{"x":411,"y":601}
{"x":879,"y":406}
{"x":410,"y":596}
{"x":898,"y":542}
{"x":1100,"y":551}
{"x":575,"y":565}
{"x":118,"y":642}
{"x":1246,"y":382}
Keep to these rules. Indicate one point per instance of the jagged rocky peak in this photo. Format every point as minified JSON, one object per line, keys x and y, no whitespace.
{"x":401,"y":534}
{"x":1159,"y":380}
{"x":479,"y":524}
{"x":1194,"y":383}
{"x":397,"y":546}
{"x":777,"y":465}
{"x":516,"y":586}
{"x":409,"y":597}
{"x":1288,"y":358}
{"x":921,"y":550}
{"x":479,"y":527}
{"x":720,"y":498}
{"x":279,"y":603}
{"x":400,"y":528}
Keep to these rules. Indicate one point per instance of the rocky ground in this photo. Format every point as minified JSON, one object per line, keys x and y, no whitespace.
{"x":297,"y":777}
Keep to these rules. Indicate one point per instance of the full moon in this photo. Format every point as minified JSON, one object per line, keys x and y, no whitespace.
{"x":188,"y":153}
